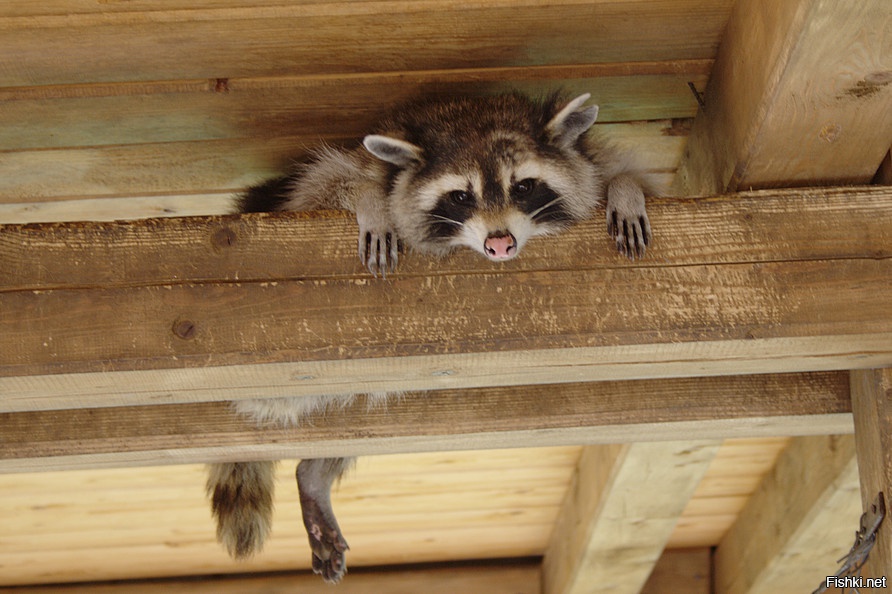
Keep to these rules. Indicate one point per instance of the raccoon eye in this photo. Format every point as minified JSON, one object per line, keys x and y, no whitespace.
{"x":461,"y":197}
{"x":524,"y":186}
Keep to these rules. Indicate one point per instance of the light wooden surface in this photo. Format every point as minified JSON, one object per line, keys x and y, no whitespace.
{"x":132,"y":523}
{"x":699,"y":308}
{"x":797,"y":524}
{"x":621,"y":507}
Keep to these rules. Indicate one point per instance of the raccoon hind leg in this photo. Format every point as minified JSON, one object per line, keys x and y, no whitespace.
{"x":242,"y":503}
{"x":315,"y":478}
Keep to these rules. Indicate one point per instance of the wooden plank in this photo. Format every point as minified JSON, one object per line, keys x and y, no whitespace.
{"x":772,"y":225}
{"x":797,"y":525}
{"x":348,"y":37}
{"x":154,"y":522}
{"x":681,"y":570}
{"x":799,"y":95}
{"x":872,"y":409}
{"x":116,"y":209}
{"x":687,"y":318}
{"x":607,"y":412}
{"x":229,"y":163}
{"x":323,"y":106}
{"x":521,"y":577}
{"x":645,"y":485}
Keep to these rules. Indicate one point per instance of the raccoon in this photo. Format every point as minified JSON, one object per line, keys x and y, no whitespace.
{"x":485,"y":173}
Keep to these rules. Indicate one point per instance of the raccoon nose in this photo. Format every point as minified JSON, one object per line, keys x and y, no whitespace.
{"x":500,"y":245}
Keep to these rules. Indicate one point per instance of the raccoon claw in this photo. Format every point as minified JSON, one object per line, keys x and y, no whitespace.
{"x":632,"y":235}
{"x":379,"y":252}
{"x":627,"y":221}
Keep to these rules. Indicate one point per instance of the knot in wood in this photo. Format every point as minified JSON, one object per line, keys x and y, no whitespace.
{"x":184,"y":329}
{"x":223,"y":238}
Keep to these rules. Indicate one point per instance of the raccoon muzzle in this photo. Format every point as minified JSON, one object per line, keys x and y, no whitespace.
{"x":242,"y":503}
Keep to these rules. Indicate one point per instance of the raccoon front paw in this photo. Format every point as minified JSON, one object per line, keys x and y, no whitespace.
{"x":627,"y":221}
{"x":378,"y":251}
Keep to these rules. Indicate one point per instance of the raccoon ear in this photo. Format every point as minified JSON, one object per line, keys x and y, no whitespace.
{"x":392,"y":150}
{"x":571,"y":122}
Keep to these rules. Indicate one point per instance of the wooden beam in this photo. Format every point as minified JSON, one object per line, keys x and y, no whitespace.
{"x":603,"y":412}
{"x":231,"y":163}
{"x":872,"y":409}
{"x":619,"y":512}
{"x":799,"y":94}
{"x":493,"y":578}
{"x":798,"y":523}
{"x":681,"y":570}
{"x":213,"y":40}
{"x":186,"y":310}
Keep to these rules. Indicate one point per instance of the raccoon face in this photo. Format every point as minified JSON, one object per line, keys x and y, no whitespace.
{"x":493,"y":210}
{"x":494,"y":188}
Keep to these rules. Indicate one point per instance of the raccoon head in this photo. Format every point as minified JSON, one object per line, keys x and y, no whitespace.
{"x":491,"y":175}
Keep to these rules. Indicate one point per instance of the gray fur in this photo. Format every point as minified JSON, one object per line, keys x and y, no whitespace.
{"x":487,"y":174}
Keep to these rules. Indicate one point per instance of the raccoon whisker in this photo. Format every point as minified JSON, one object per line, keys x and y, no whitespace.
{"x":536,"y":212}
{"x":447,"y":220}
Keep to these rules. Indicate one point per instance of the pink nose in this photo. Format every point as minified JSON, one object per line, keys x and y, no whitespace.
{"x":500,"y":246}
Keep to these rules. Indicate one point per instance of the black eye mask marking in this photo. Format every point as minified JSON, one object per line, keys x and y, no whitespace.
{"x":539,"y":201}
{"x":446,"y":219}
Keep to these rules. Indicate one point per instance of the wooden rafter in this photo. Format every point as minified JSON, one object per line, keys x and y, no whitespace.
{"x":619,"y":512}
{"x":797,"y":525}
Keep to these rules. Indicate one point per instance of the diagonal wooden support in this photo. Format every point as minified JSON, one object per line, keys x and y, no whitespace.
{"x":619,"y":512}
{"x":797,"y":524}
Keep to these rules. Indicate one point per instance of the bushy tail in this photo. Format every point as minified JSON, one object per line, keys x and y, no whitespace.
{"x":242,"y":502}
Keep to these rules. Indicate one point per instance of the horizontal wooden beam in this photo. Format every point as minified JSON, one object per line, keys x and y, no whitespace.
{"x":231,"y":163}
{"x":216,"y":40}
{"x":576,"y":413}
{"x":219,"y":308}
{"x":515,"y":577}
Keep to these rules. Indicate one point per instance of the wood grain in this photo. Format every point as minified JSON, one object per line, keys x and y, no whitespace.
{"x":576,"y":413}
{"x":645,"y":485}
{"x":797,"y":524}
{"x":316,"y":107}
{"x":776,"y":297}
{"x":799,"y":95}
{"x":214,"y":165}
{"x":333,"y":38}
{"x":872,"y":409}
{"x":493,"y":578}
